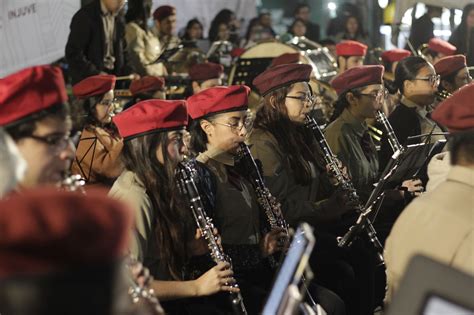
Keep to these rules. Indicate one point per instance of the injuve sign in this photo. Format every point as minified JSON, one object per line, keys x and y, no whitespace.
{"x":33,"y":32}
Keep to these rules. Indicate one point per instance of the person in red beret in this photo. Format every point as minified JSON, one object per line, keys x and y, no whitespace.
{"x":453,"y":72}
{"x":164,"y":238}
{"x":205,"y":75}
{"x":350,"y":54}
{"x":438,"y":48}
{"x":447,"y":210}
{"x":297,"y":175}
{"x":219,"y":125}
{"x":165,"y":26}
{"x":61,"y":252}
{"x":98,"y":151}
{"x":390,"y":59}
{"x":35,"y":113}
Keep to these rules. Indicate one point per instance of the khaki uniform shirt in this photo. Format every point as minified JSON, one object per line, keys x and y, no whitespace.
{"x":143,"y":247}
{"x":344,"y":136}
{"x":236,"y":212}
{"x":98,"y":156}
{"x":439,"y":224}
{"x":299,"y":202}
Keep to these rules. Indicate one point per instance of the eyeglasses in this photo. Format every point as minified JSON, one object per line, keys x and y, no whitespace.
{"x":378,"y":95}
{"x":433,"y":79}
{"x":237,"y":127}
{"x":58,"y":142}
{"x":111,"y":102}
{"x":308,"y":99}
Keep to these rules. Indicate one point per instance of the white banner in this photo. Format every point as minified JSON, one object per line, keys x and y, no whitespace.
{"x":206,"y":10}
{"x":33,"y":32}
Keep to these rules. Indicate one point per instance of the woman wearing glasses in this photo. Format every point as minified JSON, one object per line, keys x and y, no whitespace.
{"x":417,"y":82}
{"x":219,"y":125}
{"x":97,"y":155}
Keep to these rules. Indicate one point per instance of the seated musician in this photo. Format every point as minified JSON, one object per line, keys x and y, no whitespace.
{"x":390,"y":59}
{"x":350,"y":54}
{"x":34,"y":112}
{"x":454,"y":73}
{"x":437,"y":49}
{"x":205,"y":75}
{"x":164,"y":237}
{"x":98,"y":151}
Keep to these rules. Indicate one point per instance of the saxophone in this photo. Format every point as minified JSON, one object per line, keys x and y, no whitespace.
{"x":363,"y":222}
{"x":185,"y":174}
{"x":391,"y":137}
{"x":442,"y":95}
{"x":73,"y":183}
{"x":265,"y":199}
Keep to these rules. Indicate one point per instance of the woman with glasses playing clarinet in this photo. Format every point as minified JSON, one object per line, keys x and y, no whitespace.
{"x":296,"y":173}
{"x":97,"y":155}
{"x":218,"y":128}
{"x":417,"y":81}
{"x":165,"y":238}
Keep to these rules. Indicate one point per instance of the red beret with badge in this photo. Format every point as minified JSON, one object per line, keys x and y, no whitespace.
{"x":285,"y":59}
{"x":450,"y":64}
{"x":394,"y":55}
{"x":351,"y":48}
{"x":282,"y":75}
{"x":457,"y":111}
{"x":441,"y":46}
{"x":163,"y":12}
{"x":357,"y":77}
{"x":218,"y":99}
{"x":93,"y":86}
{"x":205,"y":71}
{"x":151,"y":116}
{"x":29,"y":91}
{"x":46,"y":230}
{"x":147,"y":84}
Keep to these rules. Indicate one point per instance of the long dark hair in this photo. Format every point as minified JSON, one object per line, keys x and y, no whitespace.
{"x":173,"y":221}
{"x":139,"y":11}
{"x":190,"y":24}
{"x":360,"y":27}
{"x":295,"y":141}
{"x":224,"y":16}
{"x":462,"y":32}
{"x":407,"y":69}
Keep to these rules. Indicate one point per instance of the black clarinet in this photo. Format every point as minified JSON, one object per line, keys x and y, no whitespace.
{"x":267,"y":202}
{"x":363,"y":223}
{"x":185,"y":174}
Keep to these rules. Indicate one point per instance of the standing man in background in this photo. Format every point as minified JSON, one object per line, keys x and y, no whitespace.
{"x":422,"y":29}
{"x":303,"y":12}
{"x":96,"y":43}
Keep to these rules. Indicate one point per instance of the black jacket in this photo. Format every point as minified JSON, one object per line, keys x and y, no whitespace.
{"x":85,"y":47}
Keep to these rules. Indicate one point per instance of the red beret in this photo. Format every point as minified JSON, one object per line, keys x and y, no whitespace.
{"x":286,"y":59}
{"x":47,"y":230}
{"x":151,"y":116}
{"x":441,"y":46}
{"x":282,"y":75}
{"x":94,"y":85}
{"x":351,"y":48}
{"x":147,"y":84}
{"x":29,"y":91}
{"x":457,"y":111}
{"x":205,"y":71}
{"x":163,"y":12}
{"x":394,"y":55}
{"x":357,"y":77}
{"x":218,"y":99}
{"x":450,"y":64}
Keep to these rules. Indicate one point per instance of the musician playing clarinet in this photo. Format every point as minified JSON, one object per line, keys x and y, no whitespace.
{"x":98,"y":151}
{"x":165,"y":238}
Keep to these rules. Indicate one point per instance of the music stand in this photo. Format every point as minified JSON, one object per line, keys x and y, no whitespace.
{"x":432,"y":288}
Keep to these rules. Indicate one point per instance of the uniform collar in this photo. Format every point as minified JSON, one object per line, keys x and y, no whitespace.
{"x":359,"y":127}
{"x":217,"y":155}
{"x":461,"y":174}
